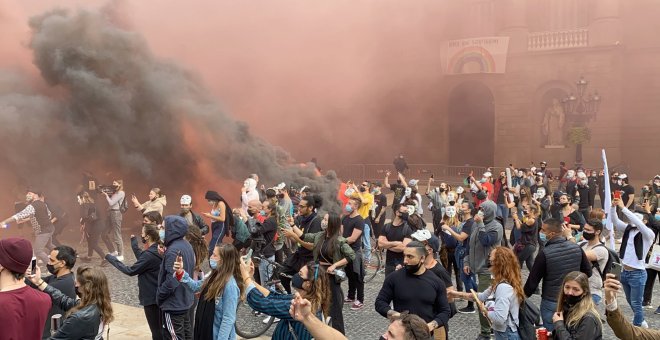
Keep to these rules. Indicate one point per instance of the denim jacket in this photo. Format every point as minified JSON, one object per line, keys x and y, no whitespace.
{"x":225,"y":306}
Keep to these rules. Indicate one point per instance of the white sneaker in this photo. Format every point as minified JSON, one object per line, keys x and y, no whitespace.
{"x":120,"y":258}
{"x":644,"y":324}
{"x":114,"y":253}
{"x":267,"y":320}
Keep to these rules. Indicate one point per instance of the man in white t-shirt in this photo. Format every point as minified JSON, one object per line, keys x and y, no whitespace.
{"x":597,"y":255}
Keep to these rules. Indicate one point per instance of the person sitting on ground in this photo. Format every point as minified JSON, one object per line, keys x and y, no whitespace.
{"x":622,"y":328}
{"x":404,"y":327}
{"x":87,"y":317}
{"x":576,"y":316}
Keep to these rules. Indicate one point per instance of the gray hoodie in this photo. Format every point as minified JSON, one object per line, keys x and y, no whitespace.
{"x":485,"y":236}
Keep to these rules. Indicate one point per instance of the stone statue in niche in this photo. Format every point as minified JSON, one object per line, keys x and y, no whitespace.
{"x":553,"y":124}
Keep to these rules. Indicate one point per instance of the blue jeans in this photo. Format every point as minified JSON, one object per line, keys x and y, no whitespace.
{"x":507,"y":335}
{"x":503,"y":212}
{"x":469,"y":281}
{"x":633,"y":282}
{"x":548,"y":309}
{"x":596,"y":299}
{"x":366,"y":242}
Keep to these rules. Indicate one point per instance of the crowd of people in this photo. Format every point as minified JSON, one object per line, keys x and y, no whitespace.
{"x":193,"y":270}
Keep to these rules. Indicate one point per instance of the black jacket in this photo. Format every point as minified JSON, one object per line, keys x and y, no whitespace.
{"x":589,"y":327}
{"x":146,"y":268}
{"x":199,"y":222}
{"x":558,"y":258}
{"x":172,"y":296}
{"x":83,"y":324}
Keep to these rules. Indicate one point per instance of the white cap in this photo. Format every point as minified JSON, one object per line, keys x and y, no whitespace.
{"x":623,"y":176}
{"x":488,"y":174}
{"x":413,"y":182}
{"x":186,"y":199}
{"x":281,"y":186}
{"x":421,"y":235}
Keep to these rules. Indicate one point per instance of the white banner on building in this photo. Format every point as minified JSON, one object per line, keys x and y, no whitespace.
{"x":476,"y":55}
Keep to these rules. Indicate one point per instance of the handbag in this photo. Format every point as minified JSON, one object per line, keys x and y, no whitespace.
{"x":654,"y":259}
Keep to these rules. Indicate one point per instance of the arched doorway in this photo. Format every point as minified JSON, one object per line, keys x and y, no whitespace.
{"x":471,"y":125}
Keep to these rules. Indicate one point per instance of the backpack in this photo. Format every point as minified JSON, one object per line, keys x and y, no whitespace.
{"x":529,"y":318}
{"x":123,"y":206}
{"x":611,"y":258}
{"x":242,"y":233}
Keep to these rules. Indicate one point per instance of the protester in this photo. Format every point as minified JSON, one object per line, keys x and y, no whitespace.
{"x":219,"y":293}
{"x":449,"y":228}
{"x":404,"y":327}
{"x":86,"y":317}
{"x":621,"y":327}
{"x":93,"y":229}
{"x":191,"y":216}
{"x":353,"y":224}
{"x":394,"y":238}
{"x":566,"y":213}
{"x":220,"y":216}
{"x":400,"y":164}
{"x":333,"y":252}
{"x":60,"y":262}
{"x":307,"y":221}
{"x":598,"y":254}
{"x":379,"y":210}
{"x":398,"y":188}
{"x":468,"y":279}
{"x":115,"y":216}
{"x":526,"y":246}
{"x":267,"y":232}
{"x":39,"y":216}
{"x":503,"y":297}
{"x":487,"y":234}
{"x":196,"y":240}
{"x":583,"y":195}
{"x":24,"y":310}
{"x":416,"y":290}
{"x":60,"y":220}
{"x":249,"y":192}
{"x":438,"y":197}
{"x":366,"y":204}
{"x":173,"y":298}
{"x":565,"y":256}
{"x":576,"y":316}
{"x":627,"y":191}
{"x":311,"y":282}
{"x":636,"y":242}
{"x":147,"y":268}
{"x":157,"y":202}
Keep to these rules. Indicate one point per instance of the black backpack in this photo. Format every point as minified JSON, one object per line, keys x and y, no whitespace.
{"x":123,"y":206}
{"x":529,"y":318}
{"x":611,"y":258}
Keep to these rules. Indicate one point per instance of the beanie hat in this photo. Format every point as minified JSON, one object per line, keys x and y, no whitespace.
{"x":15,"y":254}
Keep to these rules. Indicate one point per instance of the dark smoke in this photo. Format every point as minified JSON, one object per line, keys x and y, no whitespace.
{"x":116,"y":106}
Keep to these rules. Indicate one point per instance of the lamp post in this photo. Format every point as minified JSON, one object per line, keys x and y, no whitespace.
{"x":580,"y":109}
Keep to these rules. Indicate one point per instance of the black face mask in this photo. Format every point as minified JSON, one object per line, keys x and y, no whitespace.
{"x":411,"y":269}
{"x":363,"y":189}
{"x":563,"y":205}
{"x":442,"y":189}
{"x":297,"y":282}
{"x":404,"y":216}
{"x":144,"y":240}
{"x":572,"y":300}
{"x":588,"y":236}
{"x":250,"y":213}
{"x":51,"y":269}
{"x":488,"y":264}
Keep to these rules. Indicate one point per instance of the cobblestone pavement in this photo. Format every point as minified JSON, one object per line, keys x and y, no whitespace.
{"x":367,"y":323}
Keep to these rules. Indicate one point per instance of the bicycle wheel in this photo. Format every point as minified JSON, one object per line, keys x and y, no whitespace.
{"x":250,"y":324}
{"x":372,"y":265}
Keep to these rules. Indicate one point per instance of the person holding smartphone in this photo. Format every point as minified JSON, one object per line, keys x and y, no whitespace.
{"x":576,"y":316}
{"x":219,"y":293}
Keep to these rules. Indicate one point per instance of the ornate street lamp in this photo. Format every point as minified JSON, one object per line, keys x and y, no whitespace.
{"x":579,"y":110}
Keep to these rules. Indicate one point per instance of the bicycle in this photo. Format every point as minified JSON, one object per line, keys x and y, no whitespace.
{"x":249,"y":323}
{"x":373,"y":263}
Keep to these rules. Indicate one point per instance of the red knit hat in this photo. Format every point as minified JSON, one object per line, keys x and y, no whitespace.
{"x":15,"y":254}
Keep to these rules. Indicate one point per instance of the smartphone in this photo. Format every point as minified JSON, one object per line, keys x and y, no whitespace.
{"x":248,"y":256}
{"x":178,"y":255}
{"x":616,"y":270}
{"x":617,"y":194}
{"x":33,"y":267}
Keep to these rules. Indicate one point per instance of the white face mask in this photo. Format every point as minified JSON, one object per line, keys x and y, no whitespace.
{"x":619,"y":182}
{"x":451,"y":211}
{"x":540,"y":192}
{"x":451,"y":197}
{"x":408,"y":191}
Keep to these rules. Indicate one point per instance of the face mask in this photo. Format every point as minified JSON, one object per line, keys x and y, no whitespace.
{"x":441,"y":189}
{"x":564,"y":205}
{"x":161,"y":234}
{"x":262,"y":212}
{"x":348,"y":208}
{"x":451,"y":197}
{"x":408,"y":192}
{"x":451,"y":212}
{"x":144,"y":240}
{"x":657,"y":217}
{"x":583,"y":182}
{"x":619,"y":182}
{"x":543,"y":237}
{"x":404,"y":216}
{"x":51,"y":269}
{"x":185,"y":211}
{"x":483,"y":180}
{"x":588,"y":236}
{"x":411,"y":269}
{"x":488,"y":264}
{"x":324,"y":225}
{"x":297,"y":282}
{"x":78,"y":293}
{"x":656,"y":183}
{"x":116,"y":187}
{"x":213,"y":263}
{"x":572,"y":300}
{"x":363,"y":189}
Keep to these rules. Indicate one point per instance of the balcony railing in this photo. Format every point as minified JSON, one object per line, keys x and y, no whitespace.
{"x":542,"y":41}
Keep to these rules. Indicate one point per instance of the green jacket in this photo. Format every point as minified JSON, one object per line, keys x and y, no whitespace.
{"x":342,"y":248}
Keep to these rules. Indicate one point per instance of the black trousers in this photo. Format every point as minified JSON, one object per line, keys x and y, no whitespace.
{"x":355,"y":273}
{"x":152,"y":312}
{"x":337,"y":305}
{"x":176,"y":326}
{"x":94,"y":232}
{"x":452,"y":265}
{"x":651,"y":274}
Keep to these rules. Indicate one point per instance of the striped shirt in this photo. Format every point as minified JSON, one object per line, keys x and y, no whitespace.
{"x":277,"y":305}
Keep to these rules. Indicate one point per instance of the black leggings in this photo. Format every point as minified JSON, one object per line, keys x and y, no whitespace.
{"x":336,"y":305}
{"x":93,"y":235}
{"x":152,"y":312}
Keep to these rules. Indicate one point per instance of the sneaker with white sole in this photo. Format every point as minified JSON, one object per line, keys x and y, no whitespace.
{"x":120,"y":258}
{"x":357,"y":305}
{"x":467,"y":310}
{"x":347,"y":300}
{"x":644,"y":324}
